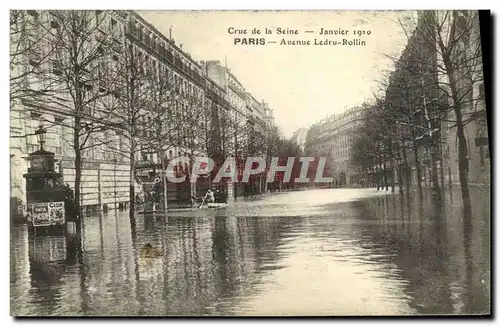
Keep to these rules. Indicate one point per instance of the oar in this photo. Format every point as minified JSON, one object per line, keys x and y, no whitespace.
{"x":203,"y":201}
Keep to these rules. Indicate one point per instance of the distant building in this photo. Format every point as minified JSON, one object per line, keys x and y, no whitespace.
{"x":332,"y":137}
{"x":299,"y":137}
{"x":268,"y":114}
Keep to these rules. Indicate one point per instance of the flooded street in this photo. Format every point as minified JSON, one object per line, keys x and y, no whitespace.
{"x":315,"y":252}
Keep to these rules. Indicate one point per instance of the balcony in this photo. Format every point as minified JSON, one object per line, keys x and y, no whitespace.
{"x":116,"y":45}
{"x":101,"y":36}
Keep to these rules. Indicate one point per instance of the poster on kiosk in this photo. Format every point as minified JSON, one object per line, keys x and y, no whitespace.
{"x":46,"y":214}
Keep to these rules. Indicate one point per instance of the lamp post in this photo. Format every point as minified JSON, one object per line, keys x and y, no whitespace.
{"x":40,"y":134}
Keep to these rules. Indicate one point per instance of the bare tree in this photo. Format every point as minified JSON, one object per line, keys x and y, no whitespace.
{"x":175,"y":114}
{"x":81,"y":70}
{"x":29,"y":62}
{"x":455,"y":38}
{"x":29,"y":55}
{"x":128,"y":118}
{"x":197,"y":132}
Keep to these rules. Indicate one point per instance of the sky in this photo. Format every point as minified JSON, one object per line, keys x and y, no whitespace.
{"x":302,"y":84}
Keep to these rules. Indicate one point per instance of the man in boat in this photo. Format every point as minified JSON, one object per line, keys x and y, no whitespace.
{"x":210,"y":196}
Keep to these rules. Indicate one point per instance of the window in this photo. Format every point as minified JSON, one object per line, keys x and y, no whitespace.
{"x":149,"y":134}
{"x":98,"y":17}
{"x":54,"y":24}
{"x":35,"y":115}
{"x":141,"y":63}
{"x":140,"y":34}
{"x":481,"y":92}
{"x":32,"y":13}
{"x":35,"y":57}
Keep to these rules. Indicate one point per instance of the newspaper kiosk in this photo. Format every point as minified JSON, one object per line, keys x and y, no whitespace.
{"x":49,"y":202}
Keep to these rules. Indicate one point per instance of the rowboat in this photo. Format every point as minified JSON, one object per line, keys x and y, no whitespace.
{"x":216,"y":205}
{"x":186,"y":209}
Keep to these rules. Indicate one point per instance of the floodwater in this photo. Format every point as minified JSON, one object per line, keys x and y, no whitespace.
{"x":314,"y":252}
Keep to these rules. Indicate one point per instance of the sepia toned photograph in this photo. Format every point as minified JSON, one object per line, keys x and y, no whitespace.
{"x":250,"y":163}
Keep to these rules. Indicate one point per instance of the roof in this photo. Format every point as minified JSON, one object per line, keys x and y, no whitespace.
{"x":42,"y":152}
{"x":163,"y":37}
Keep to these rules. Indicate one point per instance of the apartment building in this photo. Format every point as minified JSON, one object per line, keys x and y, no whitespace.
{"x":468,"y":50}
{"x":333,"y":137}
{"x":193,"y":87}
{"x":105,"y":178}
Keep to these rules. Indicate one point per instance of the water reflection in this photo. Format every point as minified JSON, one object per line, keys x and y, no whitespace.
{"x":206,"y":263}
{"x":442,"y":253}
{"x":349,"y":253}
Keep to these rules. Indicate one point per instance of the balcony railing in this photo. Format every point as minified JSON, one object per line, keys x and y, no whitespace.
{"x":164,"y":55}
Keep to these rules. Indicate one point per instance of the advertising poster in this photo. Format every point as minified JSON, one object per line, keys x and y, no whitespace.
{"x":45,"y":214}
{"x":41,"y":215}
{"x":56,"y":212}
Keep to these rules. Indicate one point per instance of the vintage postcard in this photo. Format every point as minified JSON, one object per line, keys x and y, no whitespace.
{"x":249,"y":163}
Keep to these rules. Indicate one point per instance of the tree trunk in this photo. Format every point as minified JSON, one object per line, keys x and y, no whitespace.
{"x":378,"y":175}
{"x":463,"y":167}
{"x":191,"y":185}
{"x":419,"y":171}
{"x":78,"y":166}
{"x":449,"y":176}
{"x":400,"y":182}
{"x":386,"y":182}
{"x":131,"y":194}
{"x":463,"y":164}
{"x":434,"y":175}
{"x":393,"y":179}
{"x":406,"y":170}
{"x":441,"y":163}
{"x":165,"y":185}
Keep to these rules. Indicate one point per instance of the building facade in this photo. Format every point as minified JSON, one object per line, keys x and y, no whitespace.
{"x":105,"y":177}
{"x":333,"y":137}
{"x":197,"y":93}
{"x":467,"y":56}
{"x":468,"y":50}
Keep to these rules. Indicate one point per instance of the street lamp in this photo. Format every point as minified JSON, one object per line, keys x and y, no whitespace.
{"x":40,"y":134}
